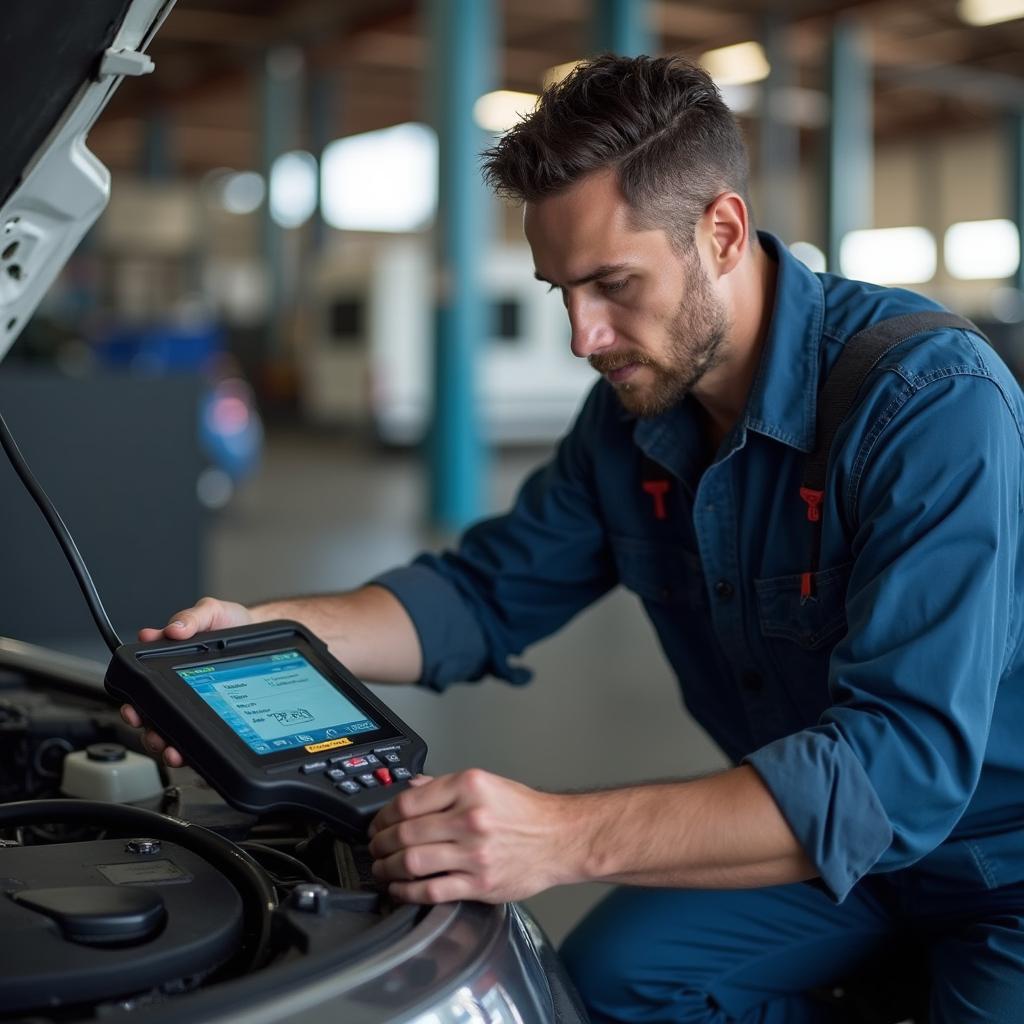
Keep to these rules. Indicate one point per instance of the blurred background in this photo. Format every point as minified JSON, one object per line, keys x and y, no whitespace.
{"x":302,"y":343}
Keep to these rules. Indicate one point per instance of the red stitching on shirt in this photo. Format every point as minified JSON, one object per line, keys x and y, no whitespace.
{"x":657,"y":489}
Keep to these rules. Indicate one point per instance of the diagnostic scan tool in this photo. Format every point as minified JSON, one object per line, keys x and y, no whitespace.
{"x":273,"y":721}
{"x":264,"y":712}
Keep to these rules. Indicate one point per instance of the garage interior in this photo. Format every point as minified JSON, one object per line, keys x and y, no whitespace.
{"x":233,"y":278}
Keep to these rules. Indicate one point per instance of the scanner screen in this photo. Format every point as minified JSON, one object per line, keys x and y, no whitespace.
{"x":275,"y":702}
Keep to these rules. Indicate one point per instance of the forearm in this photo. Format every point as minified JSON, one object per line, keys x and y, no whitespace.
{"x":367,"y":629}
{"x":722,"y":832}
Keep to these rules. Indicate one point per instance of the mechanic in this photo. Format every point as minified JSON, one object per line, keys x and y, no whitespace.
{"x":873,"y":718}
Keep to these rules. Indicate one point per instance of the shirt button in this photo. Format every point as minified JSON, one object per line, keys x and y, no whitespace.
{"x":752,"y":682}
{"x":724,"y":590}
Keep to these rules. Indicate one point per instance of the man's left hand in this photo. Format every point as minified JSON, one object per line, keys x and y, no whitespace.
{"x":471,"y":836}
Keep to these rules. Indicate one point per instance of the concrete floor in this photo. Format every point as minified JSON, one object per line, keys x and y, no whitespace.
{"x":326,"y":513}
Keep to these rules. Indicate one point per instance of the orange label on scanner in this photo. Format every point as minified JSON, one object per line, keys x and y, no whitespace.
{"x":315,"y":748}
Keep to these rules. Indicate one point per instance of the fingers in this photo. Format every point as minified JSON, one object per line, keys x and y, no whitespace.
{"x":181,"y":626}
{"x":429,"y":860}
{"x":441,"y":889}
{"x":131,"y":716}
{"x":434,"y":828}
{"x":205,"y":615}
{"x":471,"y":835}
{"x":421,"y":861}
{"x":152,"y":741}
{"x":425,"y":798}
{"x":158,"y":747}
{"x":173,"y":758}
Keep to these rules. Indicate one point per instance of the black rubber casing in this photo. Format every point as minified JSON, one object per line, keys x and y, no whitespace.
{"x":45,"y":964}
{"x":144,"y":675}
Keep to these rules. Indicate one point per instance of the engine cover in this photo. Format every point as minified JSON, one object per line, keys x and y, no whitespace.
{"x":93,"y":921}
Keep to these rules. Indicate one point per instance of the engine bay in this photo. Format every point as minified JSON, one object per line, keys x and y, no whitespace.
{"x":120,"y":905}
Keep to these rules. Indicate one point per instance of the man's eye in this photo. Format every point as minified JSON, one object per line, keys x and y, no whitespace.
{"x":609,"y":287}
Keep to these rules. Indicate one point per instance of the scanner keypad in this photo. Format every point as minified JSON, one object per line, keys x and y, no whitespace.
{"x":352,"y":773}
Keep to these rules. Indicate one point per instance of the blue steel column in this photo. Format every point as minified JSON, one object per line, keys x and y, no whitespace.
{"x":281,"y":114}
{"x":462,"y":58}
{"x":322,"y":103}
{"x":778,"y":137}
{"x":323,"y":121}
{"x":1015,"y":134}
{"x":849,"y":187}
{"x":622,"y":26}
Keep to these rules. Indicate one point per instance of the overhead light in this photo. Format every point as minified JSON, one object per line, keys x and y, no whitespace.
{"x":554,"y":75}
{"x":740,"y":64}
{"x":989,"y":12}
{"x":243,"y":192}
{"x":980,"y":250}
{"x":889,"y":255}
{"x":293,"y":188}
{"x":381,"y":181}
{"x":498,"y":111}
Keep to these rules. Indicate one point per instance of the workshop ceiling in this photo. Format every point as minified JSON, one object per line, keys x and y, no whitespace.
{"x":932,"y":71}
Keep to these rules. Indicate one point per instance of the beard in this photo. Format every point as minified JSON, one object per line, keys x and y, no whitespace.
{"x":696,"y":344}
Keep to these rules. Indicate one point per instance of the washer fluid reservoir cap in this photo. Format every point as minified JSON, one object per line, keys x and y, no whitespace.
{"x":106,"y":752}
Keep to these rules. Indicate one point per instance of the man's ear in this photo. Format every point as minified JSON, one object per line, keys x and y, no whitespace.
{"x":726,"y":230}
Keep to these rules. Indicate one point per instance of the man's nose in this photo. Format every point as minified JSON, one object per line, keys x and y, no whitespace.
{"x":591,"y":332}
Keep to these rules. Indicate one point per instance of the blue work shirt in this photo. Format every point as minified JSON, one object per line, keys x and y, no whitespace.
{"x":884,"y":714}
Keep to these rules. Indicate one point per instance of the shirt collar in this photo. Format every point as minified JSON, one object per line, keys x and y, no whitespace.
{"x":784,"y":395}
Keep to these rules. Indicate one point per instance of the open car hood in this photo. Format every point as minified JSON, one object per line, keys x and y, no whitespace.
{"x":60,"y":69}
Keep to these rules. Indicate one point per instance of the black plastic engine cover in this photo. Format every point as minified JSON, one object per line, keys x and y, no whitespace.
{"x":45,"y":963}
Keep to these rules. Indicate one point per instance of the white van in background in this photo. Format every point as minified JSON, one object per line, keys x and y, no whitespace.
{"x":368,"y":359}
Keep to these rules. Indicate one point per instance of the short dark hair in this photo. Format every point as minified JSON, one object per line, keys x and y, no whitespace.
{"x":660,"y":122}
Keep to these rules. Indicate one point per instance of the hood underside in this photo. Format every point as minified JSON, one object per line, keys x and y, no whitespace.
{"x":61,"y":64}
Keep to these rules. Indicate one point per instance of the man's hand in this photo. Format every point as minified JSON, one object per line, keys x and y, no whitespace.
{"x":473,"y":836}
{"x":477,"y":836}
{"x":206,"y":615}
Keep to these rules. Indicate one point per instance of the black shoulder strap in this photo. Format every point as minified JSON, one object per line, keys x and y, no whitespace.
{"x":859,"y":357}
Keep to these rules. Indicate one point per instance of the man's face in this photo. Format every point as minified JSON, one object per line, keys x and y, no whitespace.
{"x":643,"y":315}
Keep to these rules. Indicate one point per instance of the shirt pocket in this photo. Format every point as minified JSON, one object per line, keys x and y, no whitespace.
{"x":663,"y":573}
{"x":812,"y":623}
{"x":799,"y":634}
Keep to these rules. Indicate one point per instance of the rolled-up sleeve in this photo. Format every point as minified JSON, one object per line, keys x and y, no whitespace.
{"x":884,"y":776}
{"x":515,"y":578}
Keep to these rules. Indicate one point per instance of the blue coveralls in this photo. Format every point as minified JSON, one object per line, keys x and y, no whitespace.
{"x":885,"y":715}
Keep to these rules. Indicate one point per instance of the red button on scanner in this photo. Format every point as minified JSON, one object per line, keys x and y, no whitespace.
{"x":383,"y":776}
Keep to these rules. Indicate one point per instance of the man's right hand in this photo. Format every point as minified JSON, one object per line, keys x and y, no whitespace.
{"x":203,"y":617}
